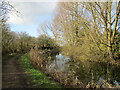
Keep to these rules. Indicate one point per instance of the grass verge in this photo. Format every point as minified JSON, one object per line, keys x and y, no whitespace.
{"x":36,"y":78}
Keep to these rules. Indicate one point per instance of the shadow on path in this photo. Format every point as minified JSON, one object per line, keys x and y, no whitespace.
{"x":12,"y":75}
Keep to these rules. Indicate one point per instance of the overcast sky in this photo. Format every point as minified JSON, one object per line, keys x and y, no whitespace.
{"x":32,"y":14}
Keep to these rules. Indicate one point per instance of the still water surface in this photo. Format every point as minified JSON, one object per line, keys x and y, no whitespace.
{"x":59,"y":63}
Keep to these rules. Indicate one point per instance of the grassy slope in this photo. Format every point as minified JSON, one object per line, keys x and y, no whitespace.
{"x":36,"y":78}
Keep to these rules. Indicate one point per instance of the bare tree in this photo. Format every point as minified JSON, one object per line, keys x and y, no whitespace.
{"x":104,"y":24}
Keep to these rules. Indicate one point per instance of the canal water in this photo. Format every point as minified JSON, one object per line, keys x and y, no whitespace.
{"x":59,"y":63}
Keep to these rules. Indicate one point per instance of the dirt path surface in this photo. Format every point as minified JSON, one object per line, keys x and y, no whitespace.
{"x":12,"y":75}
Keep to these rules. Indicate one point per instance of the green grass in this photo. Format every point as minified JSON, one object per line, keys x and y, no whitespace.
{"x":35,"y":77}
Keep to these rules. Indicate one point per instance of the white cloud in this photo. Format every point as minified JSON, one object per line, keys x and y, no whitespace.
{"x":64,"y":0}
{"x":28,"y":10}
{"x":37,"y":0}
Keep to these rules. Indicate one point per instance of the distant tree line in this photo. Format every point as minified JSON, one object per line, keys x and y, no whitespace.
{"x":13,"y":42}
